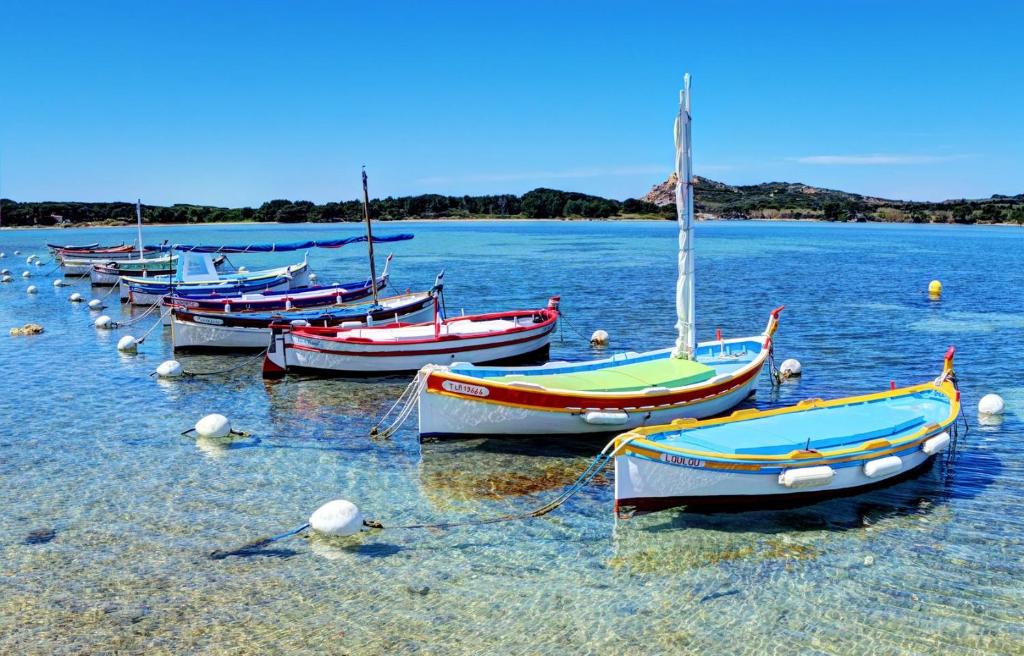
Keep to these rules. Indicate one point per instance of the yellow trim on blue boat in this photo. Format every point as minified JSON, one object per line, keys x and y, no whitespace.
{"x":634,"y":440}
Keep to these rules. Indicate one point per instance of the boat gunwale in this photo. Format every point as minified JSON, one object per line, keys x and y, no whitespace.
{"x":648,"y":402}
{"x":310,"y":332}
{"x":635,"y":442}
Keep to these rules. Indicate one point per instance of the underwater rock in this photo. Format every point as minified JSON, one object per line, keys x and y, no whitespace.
{"x":418,"y":589}
{"x":40,"y":536}
{"x":27,"y":329}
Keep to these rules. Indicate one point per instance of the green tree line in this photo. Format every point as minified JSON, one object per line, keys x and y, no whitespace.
{"x":539,"y":203}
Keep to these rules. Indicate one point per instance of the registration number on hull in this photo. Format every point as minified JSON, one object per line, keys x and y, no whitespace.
{"x":464,"y":388}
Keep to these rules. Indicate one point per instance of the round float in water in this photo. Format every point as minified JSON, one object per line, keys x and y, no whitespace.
{"x":991,"y":405}
{"x":213,"y":426}
{"x":169,"y":369}
{"x":791,"y":368}
{"x":338,"y":517}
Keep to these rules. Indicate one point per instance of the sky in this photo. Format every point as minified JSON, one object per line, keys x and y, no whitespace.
{"x":236,"y":103}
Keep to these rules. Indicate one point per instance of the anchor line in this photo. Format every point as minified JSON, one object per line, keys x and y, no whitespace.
{"x":153,"y":327}
{"x":593,"y":469}
{"x":135,"y":320}
{"x":405,"y":404}
{"x":113,"y":289}
{"x":588,"y":475}
{"x":241,"y":364}
{"x":572,"y":327}
{"x":954,"y":450}
{"x":773,"y":369}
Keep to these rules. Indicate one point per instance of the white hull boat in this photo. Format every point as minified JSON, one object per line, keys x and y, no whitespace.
{"x":788,"y":456}
{"x":500,"y":337}
{"x":251,"y":330}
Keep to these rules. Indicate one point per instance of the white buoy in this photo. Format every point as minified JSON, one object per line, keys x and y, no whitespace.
{"x":17,"y":252}
{"x":39,"y":263}
{"x":103,"y":321}
{"x":213,"y":426}
{"x":30,"y":259}
{"x":338,"y":517}
{"x":59,"y":282}
{"x":2,"y":254}
{"x":75,"y":298}
{"x":127,"y":344}
{"x":31,"y":289}
{"x":791,"y":368}
{"x":313,"y":277}
{"x":991,"y":404}
{"x":6,"y":278}
{"x":5,"y":272}
{"x":169,"y":369}
{"x":95,"y":304}
{"x":599,"y":338}
{"x":26,"y":274}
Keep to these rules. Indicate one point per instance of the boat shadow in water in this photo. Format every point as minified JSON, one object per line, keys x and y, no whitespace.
{"x":682,"y":541}
{"x":455,"y":473}
{"x":923,"y":491}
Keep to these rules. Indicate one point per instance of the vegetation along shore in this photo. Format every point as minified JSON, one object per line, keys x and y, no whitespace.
{"x":714,"y":200}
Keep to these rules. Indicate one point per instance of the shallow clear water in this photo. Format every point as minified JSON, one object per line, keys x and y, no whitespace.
{"x":91,"y":448}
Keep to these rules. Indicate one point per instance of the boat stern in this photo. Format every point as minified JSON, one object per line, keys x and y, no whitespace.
{"x":275,"y":361}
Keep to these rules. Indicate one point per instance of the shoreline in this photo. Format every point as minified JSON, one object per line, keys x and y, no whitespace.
{"x":378,"y":222}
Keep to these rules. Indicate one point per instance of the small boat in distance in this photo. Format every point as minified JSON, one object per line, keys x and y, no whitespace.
{"x":250,"y":331}
{"x":109,"y":274}
{"x":305,"y":297}
{"x":395,"y":348}
{"x":800,"y":454}
{"x":197,"y":273}
{"x":78,"y":247}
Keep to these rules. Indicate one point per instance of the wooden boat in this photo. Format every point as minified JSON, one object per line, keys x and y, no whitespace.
{"x":239,"y":331}
{"x":80,"y":263}
{"x":110,"y":273}
{"x":803,"y":453}
{"x":78,"y":247}
{"x":613,"y":394}
{"x":198,"y":274}
{"x":306,"y":297}
{"x":498,"y":337}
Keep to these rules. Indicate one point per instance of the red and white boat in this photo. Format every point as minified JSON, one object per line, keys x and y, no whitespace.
{"x":496,"y":338}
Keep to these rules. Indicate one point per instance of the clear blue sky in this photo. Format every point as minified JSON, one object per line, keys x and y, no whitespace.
{"x":235,"y":103}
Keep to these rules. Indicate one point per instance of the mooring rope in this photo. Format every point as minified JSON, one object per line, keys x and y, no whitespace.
{"x":135,"y":320}
{"x":406,"y":401}
{"x":588,"y":475}
{"x":241,"y":364}
{"x":159,"y":322}
{"x":773,"y":369}
{"x":116,"y":286}
{"x":53,"y":269}
{"x":565,"y":320}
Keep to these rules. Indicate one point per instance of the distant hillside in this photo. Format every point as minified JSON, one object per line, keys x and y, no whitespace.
{"x":794,"y":200}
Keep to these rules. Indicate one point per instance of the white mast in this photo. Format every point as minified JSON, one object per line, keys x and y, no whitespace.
{"x":686,"y":338}
{"x":138,"y":222}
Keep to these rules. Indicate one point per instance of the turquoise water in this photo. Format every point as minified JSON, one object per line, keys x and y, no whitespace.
{"x":92,"y":450}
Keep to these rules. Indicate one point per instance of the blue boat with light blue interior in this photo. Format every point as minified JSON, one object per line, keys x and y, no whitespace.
{"x":803,"y":453}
